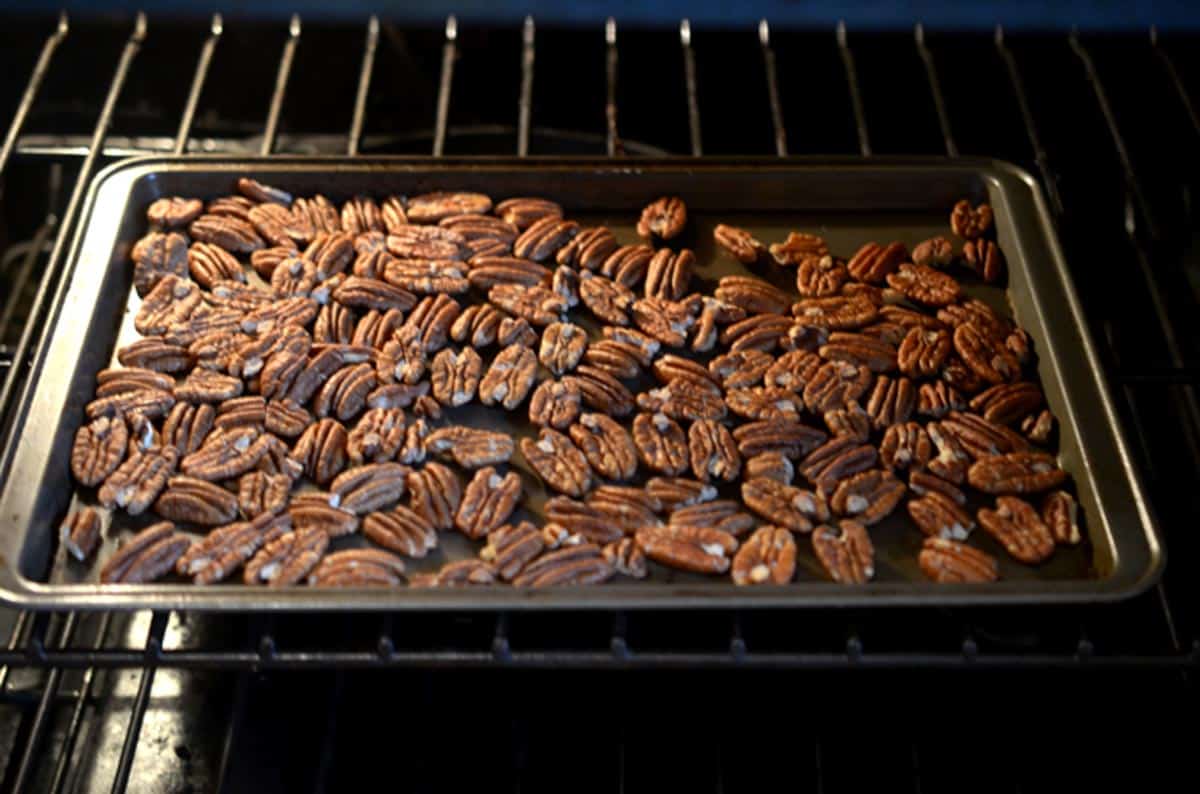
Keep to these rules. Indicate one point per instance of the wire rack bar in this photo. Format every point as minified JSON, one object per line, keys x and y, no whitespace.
{"x":525,"y":98}
{"x":860,"y":118}
{"x":935,"y":88}
{"x":354,"y":139}
{"x":215,"y":29}
{"x":31,"y":89}
{"x":275,"y":109}
{"x":612,"y":141}
{"x":449,"y":53}
{"x":689,"y":76}
{"x":768,"y":53}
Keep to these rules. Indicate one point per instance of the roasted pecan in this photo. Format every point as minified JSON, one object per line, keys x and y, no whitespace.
{"x":543,"y":238}
{"x":559,"y":463}
{"x":606,"y":445}
{"x":487,"y":272}
{"x":216,"y":321}
{"x":588,"y":249}
{"x":947,"y":561}
{"x":618,"y":359}
{"x":376,"y":328}
{"x":1016,"y":472}
{"x":1060,"y":513}
{"x":692,"y":374}
{"x":555,"y":403}
{"x":608,"y":300}
{"x":392,"y":210}
{"x":196,"y":501}
{"x":667,"y":321}
{"x":766,"y":557}
{"x":427,"y":276}
{"x":886,"y":332}
{"x":631,"y":506}
{"x":510,"y":547}
{"x":234,"y":206}
{"x":834,"y":313}
{"x":598,"y":522}
{"x":286,"y":418}
{"x":892,"y":401}
{"x":172,"y":300}
{"x":401,"y":530}
{"x":331,"y":254}
{"x":681,"y":399}
{"x":187,"y":426}
{"x":643,"y":346}
{"x":98,"y":449}
{"x":626,"y":558}
{"x":403,"y":359}
{"x":723,"y":514}
{"x":661,"y":443}
{"x":869,"y":496}
{"x":432,"y":207}
{"x":288,"y":558}
{"x":562,"y":347}
{"x":137,"y":482}
{"x":950,"y":462}
{"x":368,"y":488}
{"x":753,"y":295}
{"x":157,"y":255}
{"x":80,"y":533}
{"x":261,"y":193}
{"x":574,"y":565}
{"x":986,"y":355}
{"x":713,"y":451}
{"x":1016,"y":525}
{"x":985,"y":258}
{"x":875,"y":354}
{"x":923,"y":351}
{"x":509,"y":378}
{"x":925,"y":285}
{"x":461,"y":573}
{"x":146,"y":556}
{"x":713,"y":314}
{"x":798,"y":248}
{"x":905,"y":445}
{"x":981,"y":438}
{"x":873,"y":262}
{"x":934,"y":252}
{"x":297,"y":310}
{"x":664,"y":217}
{"x":277,"y":225}
{"x":344,"y":394}
{"x":487,"y":502}
{"x":738,"y":242}
{"x":783,"y":504}
{"x":226,"y":454}
{"x":675,"y":492}
{"x":322,"y":450}
{"x":938,"y":399}
{"x":834,"y":384}
{"x":173,"y":212}
{"x":538,"y":305}
{"x":923,"y":482}
{"x":473,"y":226}
{"x":259,"y":492}
{"x":223,"y":550}
{"x":470,"y":447}
{"x":668,"y":274}
{"x":455,"y":376}
{"x":819,"y":276}
{"x":231,"y":233}
{"x":1007,"y":403}
{"x":601,"y":391}
{"x":758,"y":332}
{"x":836,"y":460}
{"x":313,"y":510}
{"x":740,"y":369}
{"x":789,"y":438}
{"x":265,"y":260}
{"x":434,"y":494}
{"x":208,"y":386}
{"x":772,"y":465}
{"x":398,"y":395}
{"x":697,"y":549}
{"x":371,"y":293}
{"x":116,"y":381}
{"x":154,"y":354}
{"x":361,"y":214}
{"x":761,"y":403}
{"x":377,"y":437}
{"x":846,"y":552}
{"x":850,"y":421}
{"x":938,"y":515}
{"x":150,"y":403}
{"x":970,"y":222}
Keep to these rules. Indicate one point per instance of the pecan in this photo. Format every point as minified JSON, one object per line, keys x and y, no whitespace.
{"x":470,"y":447}
{"x":950,"y":463}
{"x":297,"y":310}
{"x":474,"y":226}
{"x":1038,"y":428}
{"x":116,"y":381}
{"x":137,"y":482}
{"x":767,"y":557}
{"x":1016,"y":472}
{"x":398,"y":395}
{"x":361,"y":214}
{"x":371,"y":293}
{"x":606,"y":445}
{"x":981,"y":438}
{"x":631,"y":506}
{"x":947,"y":561}
{"x":690,"y":374}
{"x":233,"y":234}
{"x":461,"y":573}
{"x":434,"y":494}
{"x":427,"y":276}
{"x":543,"y":238}
{"x":1007,"y":403}
{"x":876,"y":355}
{"x":98,"y":449}
{"x":627,"y":265}
{"x":565,"y":284}
{"x":196,"y":502}
{"x":392,"y":210}
{"x":588,"y":249}
{"x":286,"y":418}
{"x":760,"y":403}
{"x":923,"y":351}
{"x":846,"y":553}
{"x":344,"y":394}
{"x":595,"y":522}
{"x":233,"y":206}
{"x":574,"y":565}
{"x":668,"y":274}
{"x":509,"y":378}
{"x":789,"y":438}
{"x":559,"y":463}
{"x":626,"y":558}
{"x":713,"y":451}
{"x":487,"y":502}
{"x":820,"y":276}
{"x":798,"y":248}
{"x":208,"y":386}
{"x":555,"y":403}
{"x":723,"y":514}
{"x":401,"y":530}
{"x":321,"y":369}
{"x":783,"y":504}
{"x":873,"y":262}
{"x":516,"y":331}
{"x":288,"y":558}
{"x":934,"y":252}
{"x":277,"y":225}
{"x":538,"y":305}
{"x":314,"y":510}
{"x":432,"y":207}
{"x":150,"y":403}
{"x":146,"y":556}
{"x":371,"y":256}
{"x":368,"y":488}
{"x":358,"y":568}
{"x":985,"y":258}
{"x":680,"y":399}
{"x":402,"y":359}
{"x":259,"y":492}
{"x":697,"y":549}
{"x":455,"y":376}
{"x":937,"y":515}
{"x":850,"y":421}
{"x":487,"y":272}
{"x":618,"y":359}
{"x":740,"y":369}
{"x":836,"y":312}
{"x":204,"y":322}
{"x":675,"y":492}
{"x":667,"y":321}
{"x":143,"y":435}
{"x":377,"y":437}
{"x":187,"y":426}
{"x":641,"y":345}
{"x":330,"y":253}
{"x":886,"y":332}
{"x":738,"y":242}
{"x":978,"y":313}
{"x":376,"y":328}
{"x":80,"y":533}
{"x":157,"y":255}
{"x":608,"y":300}
{"x":970,"y":222}
{"x":226,"y":454}
{"x":1016,"y":525}
{"x":322,"y":450}
{"x":905,"y":445}
{"x":261,"y":193}
{"x":892,"y":401}
{"x":511,"y":547}
{"x":925,"y":285}
{"x":226,"y":548}
{"x":563,"y":345}
{"x":265,"y":260}
{"x":986,"y":355}
{"x":869,"y":496}
{"x":836,"y":460}
{"x":172,"y":300}
{"x":753,"y":295}
{"x":772,"y":465}
{"x":601,"y":391}
{"x":661,"y":443}
{"x":834,"y":384}
{"x":938,"y":399}
{"x":664,"y":217}
{"x":923,"y":483}
{"x":154,"y":354}
{"x":1060,"y":514}
{"x":173,"y":212}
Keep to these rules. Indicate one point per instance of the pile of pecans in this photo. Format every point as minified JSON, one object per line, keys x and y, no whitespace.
{"x":300,"y":367}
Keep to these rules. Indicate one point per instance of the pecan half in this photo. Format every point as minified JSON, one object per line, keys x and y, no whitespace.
{"x":738,"y":242}
{"x":538,"y":305}
{"x":477,"y":325}
{"x":208,"y":386}
{"x":789,"y":438}
{"x":358,"y":568}
{"x":371,"y":293}
{"x":234,"y":206}
{"x":157,"y":255}
{"x":606,"y":445}
{"x":432,"y":207}
{"x":741,"y":369}
{"x":783,"y":504}
{"x":455,"y":376}
{"x":574,"y":565}
{"x":753,"y":295}
{"x":874,"y":262}
{"x":470,"y":447}
{"x":820,"y":276}
{"x":626,"y":558}
{"x":835,"y":313}
{"x":618,"y":359}
{"x":713,"y":314}
{"x":286,"y":419}
{"x":115,"y":381}
{"x":668,"y":274}
{"x":173,"y":212}
{"x":146,"y":556}
{"x":950,"y":462}
{"x":669,"y":322}
{"x":1007,"y":403}
{"x":772,"y":465}
{"x":313,"y":511}
{"x":836,"y":460}
{"x":487,"y":502}
{"x":375,"y":329}
{"x":758,"y":332}
{"x":869,"y":496}
{"x":80,"y":533}
{"x":607,"y":299}
{"x":588,"y":249}
{"x":680,"y":399}
{"x":361,"y":214}
{"x":761,"y":403}
{"x":428,"y":276}
{"x":287,"y":559}
{"x":1016,"y":525}
{"x":850,"y":421}
{"x":596,"y":522}
{"x":150,"y":403}
{"x":905,"y":445}
{"x":601,"y":391}
{"x":461,"y":573}
{"x":766,"y":557}
{"x":368,"y":488}
{"x":344,"y":394}
{"x":265,"y":260}
{"x":196,"y":501}
{"x":377,"y":437}
{"x":565,"y":284}
{"x":322,"y":450}
{"x":713,"y":451}
{"x":172,"y":300}
{"x":1060,"y":513}
{"x":233,"y":234}
{"x":398,"y":395}
{"x":697,"y":549}
{"x":226,"y":548}
{"x":863,"y":350}
{"x":627,"y":265}
{"x":510,"y":547}
{"x":98,"y":449}
{"x":986,"y":355}
{"x":938,"y":399}
{"x":923,"y":351}
{"x":892,"y":401}
{"x":661,"y":443}
{"x":155,"y":354}
{"x":970,"y":222}
{"x":938,"y":515}
{"x":435,"y":493}
{"x":981,"y":438}
{"x":543,"y":238}
{"x":836,"y":383}
{"x":1016,"y":472}
{"x":950,"y":562}
{"x":985,"y":258}
{"x":509,"y":378}
{"x":259,"y":492}
{"x":516,"y":331}
{"x":297,"y":310}
{"x":846,"y":552}
{"x":664,"y":217}
{"x":675,"y":492}
{"x":555,"y":403}
{"x":925,"y":285}
{"x":631,"y":506}
{"x":137,"y":482}
{"x":558,"y":462}
{"x":934,"y":252}
{"x":392,"y":211}
{"x":723,"y":514}
{"x":401,"y":530}
{"x":563,"y":345}
{"x":643,"y":346}
{"x":923,"y":482}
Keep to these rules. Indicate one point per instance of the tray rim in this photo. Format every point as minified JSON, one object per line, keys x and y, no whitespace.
{"x":18,"y":591}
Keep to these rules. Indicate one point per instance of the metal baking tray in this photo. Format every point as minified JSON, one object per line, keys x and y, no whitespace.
{"x":847,"y":201}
